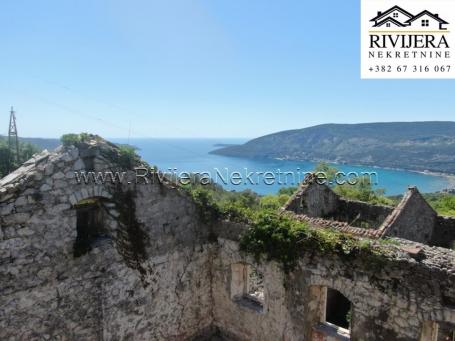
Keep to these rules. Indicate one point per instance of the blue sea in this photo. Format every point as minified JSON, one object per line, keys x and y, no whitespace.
{"x":180,"y":156}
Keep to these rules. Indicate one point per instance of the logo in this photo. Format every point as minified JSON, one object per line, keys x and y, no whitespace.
{"x":397,"y":17}
{"x":406,"y":40}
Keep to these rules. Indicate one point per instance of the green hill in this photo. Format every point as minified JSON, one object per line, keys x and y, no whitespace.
{"x":43,"y":143}
{"x":408,"y":145}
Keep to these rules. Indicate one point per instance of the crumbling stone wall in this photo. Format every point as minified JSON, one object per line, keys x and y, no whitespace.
{"x":361,"y":214}
{"x":314,"y":200}
{"x":150,"y":278}
{"x":318,"y":200}
{"x":390,"y":302}
{"x":412,"y":219}
{"x":243,"y":322}
{"x":444,"y":232}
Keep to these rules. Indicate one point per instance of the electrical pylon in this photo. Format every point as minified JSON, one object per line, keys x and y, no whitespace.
{"x":13,"y":140}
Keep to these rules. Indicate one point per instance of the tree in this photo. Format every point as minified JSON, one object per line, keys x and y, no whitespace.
{"x":4,"y":158}
{"x":287,"y":190}
{"x":360,"y":189}
{"x":363,"y":190}
{"x":8,"y":163}
{"x":330,"y":172}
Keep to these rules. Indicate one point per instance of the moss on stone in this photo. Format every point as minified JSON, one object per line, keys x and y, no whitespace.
{"x":131,"y":239}
{"x":88,"y":202}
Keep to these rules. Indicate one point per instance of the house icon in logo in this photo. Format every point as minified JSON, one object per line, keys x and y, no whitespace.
{"x":397,"y":17}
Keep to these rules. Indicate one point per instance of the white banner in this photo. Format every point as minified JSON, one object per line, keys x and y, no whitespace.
{"x":407,"y":39}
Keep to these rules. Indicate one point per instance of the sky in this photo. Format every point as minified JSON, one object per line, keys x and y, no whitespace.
{"x":195,"y":68}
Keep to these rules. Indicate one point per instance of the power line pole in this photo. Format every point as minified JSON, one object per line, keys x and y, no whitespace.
{"x":13,"y":140}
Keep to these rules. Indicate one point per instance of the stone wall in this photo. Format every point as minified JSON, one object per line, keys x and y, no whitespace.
{"x":391,"y":302}
{"x":313,"y":200}
{"x":361,"y":214}
{"x":148,"y":278}
{"x":319,"y":200}
{"x":444,"y":232}
{"x":412,"y":219}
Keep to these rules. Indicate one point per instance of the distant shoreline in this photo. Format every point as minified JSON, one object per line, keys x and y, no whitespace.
{"x":422,"y":147}
{"x":449,"y":176}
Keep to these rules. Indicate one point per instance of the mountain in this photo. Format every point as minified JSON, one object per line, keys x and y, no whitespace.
{"x":42,"y":143}
{"x":416,"y":146}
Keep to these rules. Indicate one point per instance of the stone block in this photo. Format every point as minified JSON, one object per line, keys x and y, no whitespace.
{"x":49,"y":169}
{"x":25,"y":232}
{"x":106,"y":195}
{"x":79,"y":165}
{"x":73,"y":200}
{"x":78,"y":196}
{"x":58,"y":175}
{"x":45,"y":187}
{"x":70,"y":175}
{"x":59,"y":184}
{"x":6,"y":209}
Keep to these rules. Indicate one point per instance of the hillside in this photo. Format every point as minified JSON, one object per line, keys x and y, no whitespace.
{"x":409,"y":145}
{"x":42,"y":143}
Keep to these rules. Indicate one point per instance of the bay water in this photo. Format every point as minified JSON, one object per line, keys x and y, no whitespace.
{"x":180,"y":156}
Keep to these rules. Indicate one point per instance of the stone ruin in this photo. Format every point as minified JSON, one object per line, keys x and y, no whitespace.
{"x":136,"y":261}
{"x":412,"y":219}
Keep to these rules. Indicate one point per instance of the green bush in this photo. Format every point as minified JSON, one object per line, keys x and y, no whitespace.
{"x":283,"y":239}
{"x":215,"y":204}
{"x":70,"y":139}
{"x":209,"y":210}
{"x":287,"y":190}
{"x":363,"y":190}
{"x":236,"y":206}
{"x":127,"y":156}
{"x":75,"y":139}
{"x":330,"y":172}
{"x":443,"y":203}
{"x":276,"y":237}
{"x":273,"y":202}
{"x":272,"y":235}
